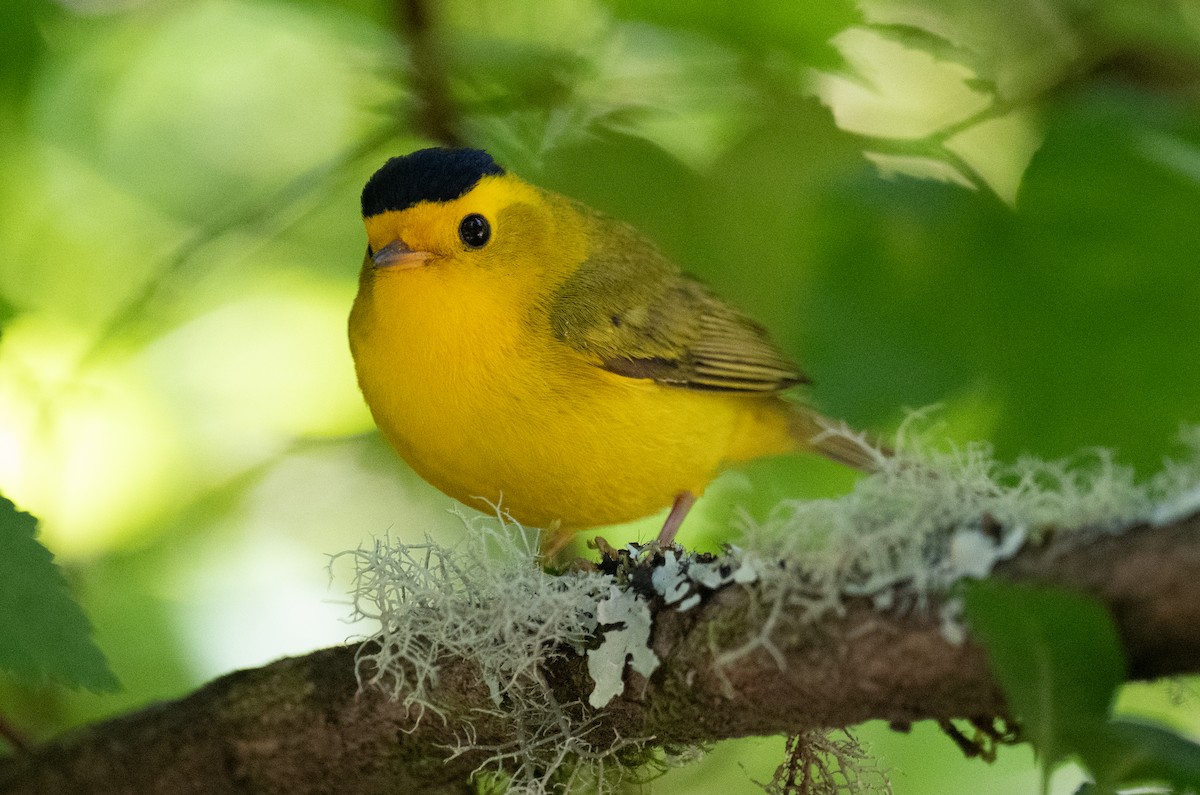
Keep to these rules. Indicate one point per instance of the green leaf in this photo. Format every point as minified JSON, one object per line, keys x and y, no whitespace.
{"x":43,"y":632}
{"x":921,"y":293}
{"x":1057,"y":656}
{"x":1134,"y":752}
{"x":941,"y":48}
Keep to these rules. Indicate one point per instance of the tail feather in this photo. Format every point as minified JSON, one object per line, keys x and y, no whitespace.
{"x":837,"y":442}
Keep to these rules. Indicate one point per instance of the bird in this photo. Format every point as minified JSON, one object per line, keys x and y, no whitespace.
{"x":522,"y":350}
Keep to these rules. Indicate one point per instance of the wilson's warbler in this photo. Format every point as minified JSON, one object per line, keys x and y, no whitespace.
{"x":521,"y":349}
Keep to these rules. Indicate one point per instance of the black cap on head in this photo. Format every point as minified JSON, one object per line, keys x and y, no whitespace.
{"x":434,"y":175}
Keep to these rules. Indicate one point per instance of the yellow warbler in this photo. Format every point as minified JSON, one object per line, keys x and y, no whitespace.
{"x":519,"y":348}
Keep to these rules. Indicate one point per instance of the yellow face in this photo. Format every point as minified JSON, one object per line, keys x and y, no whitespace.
{"x":502,"y":232}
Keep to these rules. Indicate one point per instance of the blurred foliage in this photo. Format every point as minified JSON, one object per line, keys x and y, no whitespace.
{"x":1058,"y":657}
{"x":987,"y":206}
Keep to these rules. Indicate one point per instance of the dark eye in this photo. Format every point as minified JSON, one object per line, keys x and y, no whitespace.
{"x":475,"y":231}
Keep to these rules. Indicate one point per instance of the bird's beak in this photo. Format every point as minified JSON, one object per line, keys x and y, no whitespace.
{"x":398,"y":255}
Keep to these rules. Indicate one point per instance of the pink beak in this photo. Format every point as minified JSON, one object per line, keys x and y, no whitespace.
{"x":398,"y":255}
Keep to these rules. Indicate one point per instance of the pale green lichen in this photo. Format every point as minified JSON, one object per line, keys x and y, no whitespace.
{"x":482,"y":600}
{"x":926,"y":519}
{"x":681,"y":578}
{"x":486,"y":601}
{"x":629,"y":641}
{"x":931,"y":517}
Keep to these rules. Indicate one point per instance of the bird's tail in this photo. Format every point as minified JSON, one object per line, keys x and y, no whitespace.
{"x":837,"y":441}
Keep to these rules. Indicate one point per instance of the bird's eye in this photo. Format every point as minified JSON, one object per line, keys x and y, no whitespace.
{"x":475,"y":231}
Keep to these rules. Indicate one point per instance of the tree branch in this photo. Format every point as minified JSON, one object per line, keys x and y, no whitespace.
{"x":435,"y":116}
{"x":300,"y":724}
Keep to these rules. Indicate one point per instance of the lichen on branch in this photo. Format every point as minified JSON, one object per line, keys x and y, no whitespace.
{"x":829,"y":614}
{"x":896,"y":544}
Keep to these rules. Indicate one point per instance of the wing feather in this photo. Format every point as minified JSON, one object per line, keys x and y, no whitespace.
{"x":633,"y":311}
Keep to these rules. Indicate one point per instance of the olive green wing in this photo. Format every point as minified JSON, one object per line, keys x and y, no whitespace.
{"x":631,"y":310}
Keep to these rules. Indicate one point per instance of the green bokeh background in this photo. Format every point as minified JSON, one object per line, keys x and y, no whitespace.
{"x":997,"y":211}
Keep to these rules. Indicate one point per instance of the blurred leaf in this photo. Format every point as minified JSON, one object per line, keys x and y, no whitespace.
{"x":1057,"y":656}
{"x":501,"y":73}
{"x":763,"y":217}
{"x":1105,"y":250}
{"x":1066,"y":312}
{"x":943,"y":49}
{"x":1024,"y":47}
{"x":1135,"y":752}
{"x":1155,"y":34}
{"x":43,"y":632}
{"x":21,"y":45}
{"x":899,"y":309}
{"x":628,"y":177}
{"x":802,"y":29}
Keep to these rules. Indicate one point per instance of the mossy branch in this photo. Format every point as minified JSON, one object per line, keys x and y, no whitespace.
{"x":302,"y":724}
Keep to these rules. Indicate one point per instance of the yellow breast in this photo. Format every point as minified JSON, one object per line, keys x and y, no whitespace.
{"x":468,"y":383}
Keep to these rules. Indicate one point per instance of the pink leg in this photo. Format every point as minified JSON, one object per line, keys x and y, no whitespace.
{"x":684,"y":501}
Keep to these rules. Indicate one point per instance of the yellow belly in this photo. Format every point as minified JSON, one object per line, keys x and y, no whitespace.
{"x":490,"y":409}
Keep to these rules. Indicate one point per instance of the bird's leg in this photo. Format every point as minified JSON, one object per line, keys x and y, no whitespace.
{"x":684,"y":501}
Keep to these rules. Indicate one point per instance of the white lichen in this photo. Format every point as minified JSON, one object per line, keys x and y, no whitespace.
{"x":1175,"y":490}
{"x":486,"y":601}
{"x":903,"y":536}
{"x":682,"y":579}
{"x":628,"y":641}
{"x":669,"y":580}
{"x":931,"y":517}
